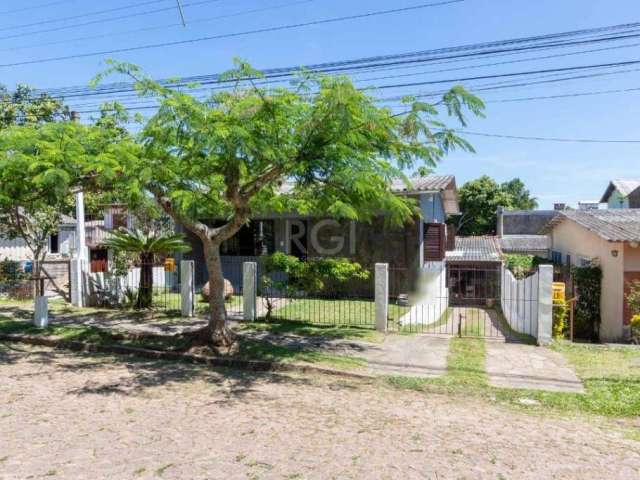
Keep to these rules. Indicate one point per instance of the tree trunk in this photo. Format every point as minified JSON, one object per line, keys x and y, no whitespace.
{"x":145,"y":286}
{"x":217,"y":332}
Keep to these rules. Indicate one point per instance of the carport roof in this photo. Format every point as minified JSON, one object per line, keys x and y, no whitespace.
{"x":475,"y":249}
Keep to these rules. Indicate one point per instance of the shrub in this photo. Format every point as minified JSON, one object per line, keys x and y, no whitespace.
{"x":286,"y":275}
{"x":559,"y":319}
{"x":523,"y":265}
{"x":588,"y":284}
{"x":635,"y":329}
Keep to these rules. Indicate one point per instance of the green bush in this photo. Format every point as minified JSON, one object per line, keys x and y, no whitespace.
{"x":286,"y":275}
{"x":523,"y":265}
{"x":559,"y":319}
{"x":588,"y":284}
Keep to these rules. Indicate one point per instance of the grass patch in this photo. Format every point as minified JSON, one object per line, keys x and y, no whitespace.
{"x":256,"y":350}
{"x":247,"y":349}
{"x":303,"y":329}
{"x":335,"y":312}
{"x":611,"y":378}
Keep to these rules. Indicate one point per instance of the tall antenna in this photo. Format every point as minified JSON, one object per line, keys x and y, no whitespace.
{"x":184,"y":24}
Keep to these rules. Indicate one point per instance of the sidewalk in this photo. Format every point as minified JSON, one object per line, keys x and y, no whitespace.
{"x":512,"y":365}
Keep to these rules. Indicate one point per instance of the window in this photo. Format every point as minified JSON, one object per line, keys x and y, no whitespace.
{"x":434,"y":242}
{"x":584,"y":261}
{"x":556,"y":257}
{"x":54,"y":243}
{"x":251,"y":240}
{"x":119,"y":220}
{"x":568,"y":260}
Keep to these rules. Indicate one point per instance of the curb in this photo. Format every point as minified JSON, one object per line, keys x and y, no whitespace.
{"x":239,"y":363}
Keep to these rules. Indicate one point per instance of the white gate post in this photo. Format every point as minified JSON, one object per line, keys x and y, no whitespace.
{"x":76,"y":282}
{"x":382,"y":295}
{"x":545,"y":304}
{"x":249,"y":290}
{"x":41,"y":313}
{"x":187,"y":287}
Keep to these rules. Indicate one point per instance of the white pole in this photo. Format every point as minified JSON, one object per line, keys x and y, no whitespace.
{"x":82,"y":254}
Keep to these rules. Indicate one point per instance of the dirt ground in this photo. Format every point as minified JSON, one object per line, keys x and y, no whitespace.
{"x":65,"y":415}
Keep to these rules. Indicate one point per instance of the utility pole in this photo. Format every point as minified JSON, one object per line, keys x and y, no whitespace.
{"x":184,"y":24}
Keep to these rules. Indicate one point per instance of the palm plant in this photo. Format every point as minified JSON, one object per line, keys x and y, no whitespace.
{"x":147,"y":246}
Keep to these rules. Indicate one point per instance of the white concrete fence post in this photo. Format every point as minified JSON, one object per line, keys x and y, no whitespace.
{"x":41,"y":313}
{"x":382,"y":295}
{"x":75,"y":283}
{"x":187,"y":287}
{"x":249,"y":291}
{"x":545,"y":304}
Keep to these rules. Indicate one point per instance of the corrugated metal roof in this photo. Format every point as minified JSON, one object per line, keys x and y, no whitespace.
{"x":524,"y":243}
{"x":615,"y":225}
{"x":430,"y":183}
{"x":475,"y":249}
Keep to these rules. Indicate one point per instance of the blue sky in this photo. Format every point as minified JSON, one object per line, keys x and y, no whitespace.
{"x":554,"y":172}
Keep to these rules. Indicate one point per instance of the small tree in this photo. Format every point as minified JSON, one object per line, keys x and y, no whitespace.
{"x":39,"y":166}
{"x":227,"y":157}
{"x":147,"y":247}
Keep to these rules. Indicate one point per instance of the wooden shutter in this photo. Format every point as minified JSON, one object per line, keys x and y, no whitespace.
{"x":434,"y":242}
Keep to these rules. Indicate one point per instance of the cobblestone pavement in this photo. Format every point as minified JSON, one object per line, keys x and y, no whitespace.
{"x":72,"y":416}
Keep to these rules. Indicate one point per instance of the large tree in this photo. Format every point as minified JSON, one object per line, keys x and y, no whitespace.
{"x":228,"y":157}
{"x":480,"y":200}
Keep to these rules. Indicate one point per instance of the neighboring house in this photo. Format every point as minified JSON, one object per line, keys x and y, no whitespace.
{"x":59,"y":245}
{"x":518,"y":231}
{"x":622,"y":194}
{"x":408,"y":250}
{"x":612,"y":239}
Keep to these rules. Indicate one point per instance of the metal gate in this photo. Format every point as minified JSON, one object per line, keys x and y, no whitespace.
{"x":465,"y":300}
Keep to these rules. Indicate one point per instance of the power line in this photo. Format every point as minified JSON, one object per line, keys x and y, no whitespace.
{"x":155,"y":27}
{"x":405,"y":61}
{"x":105,"y":20}
{"x":34,"y":7}
{"x":82,"y":15}
{"x":235,"y":34}
{"x":544,"y":139}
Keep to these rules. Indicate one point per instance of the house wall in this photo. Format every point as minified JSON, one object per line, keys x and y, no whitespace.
{"x":616,"y":200}
{"x":17,"y":249}
{"x":572,"y":239}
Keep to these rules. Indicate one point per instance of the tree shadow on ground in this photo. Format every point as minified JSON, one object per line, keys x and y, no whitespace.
{"x":141,"y":376}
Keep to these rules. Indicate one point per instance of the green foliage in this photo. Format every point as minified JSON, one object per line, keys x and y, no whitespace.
{"x":288,"y":275}
{"x":329,"y":139}
{"x":560,"y":313}
{"x":523,"y":265}
{"x":633,"y":300}
{"x":588,"y":284}
{"x":480,"y":199}
{"x":147,"y":246}
{"x":26,"y":107}
{"x":633,"y":297}
{"x":40,"y":165}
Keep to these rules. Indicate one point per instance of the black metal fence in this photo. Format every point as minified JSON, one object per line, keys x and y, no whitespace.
{"x":347,"y":304}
